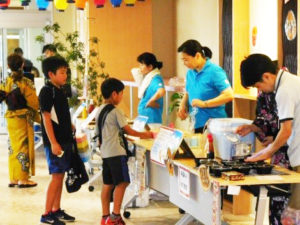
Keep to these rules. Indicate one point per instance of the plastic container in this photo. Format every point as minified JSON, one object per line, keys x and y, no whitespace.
{"x":264,"y":169}
{"x":84,"y":113}
{"x":224,"y":137}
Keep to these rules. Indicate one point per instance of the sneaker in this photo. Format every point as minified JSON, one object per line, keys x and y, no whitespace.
{"x":121,"y":221}
{"x":50,"y":219}
{"x":109,"y":221}
{"x":290,"y":216}
{"x":61,"y":215}
{"x":103,"y":220}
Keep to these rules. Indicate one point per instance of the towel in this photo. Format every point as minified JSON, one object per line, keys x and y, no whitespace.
{"x":143,"y":83}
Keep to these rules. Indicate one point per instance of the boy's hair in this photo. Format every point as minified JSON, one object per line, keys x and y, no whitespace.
{"x":191,"y":47}
{"x":18,"y":51}
{"x":15,"y":62}
{"x":109,"y":86}
{"x":148,"y":59}
{"x":49,"y":47}
{"x":253,"y":67}
{"x":52,"y":64}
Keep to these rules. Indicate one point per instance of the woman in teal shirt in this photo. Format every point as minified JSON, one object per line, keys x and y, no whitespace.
{"x":151,"y":87}
{"x":207,"y":86}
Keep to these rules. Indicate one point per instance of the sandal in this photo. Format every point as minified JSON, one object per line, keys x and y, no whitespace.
{"x":27,"y":184}
{"x":11,"y":185}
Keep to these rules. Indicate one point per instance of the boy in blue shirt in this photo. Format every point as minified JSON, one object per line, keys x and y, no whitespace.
{"x":115,"y":169}
{"x":57,"y":136}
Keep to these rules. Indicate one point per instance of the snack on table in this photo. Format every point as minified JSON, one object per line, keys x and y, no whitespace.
{"x":232,"y":176}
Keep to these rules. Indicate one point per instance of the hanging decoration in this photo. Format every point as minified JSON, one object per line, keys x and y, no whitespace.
{"x":99,"y":3}
{"x":61,"y":5}
{"x":129,"y":2}
{"x":116,"y":3}
{"x":25,"y":2}
{"x":42,"y":4}
{"x":80,"y":4}
{"x":4,"y":4}
{"x":289,"y":35}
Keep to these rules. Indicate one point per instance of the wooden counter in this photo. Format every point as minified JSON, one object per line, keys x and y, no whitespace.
{"x":288,"y":177}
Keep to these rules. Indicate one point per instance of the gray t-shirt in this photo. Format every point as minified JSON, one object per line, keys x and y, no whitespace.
{"x":110,"y":145}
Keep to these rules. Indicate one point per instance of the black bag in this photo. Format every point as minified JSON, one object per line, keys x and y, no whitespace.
{"x":122,"y":138}
{"x":76,"y":174}
{"x":2,"y":96}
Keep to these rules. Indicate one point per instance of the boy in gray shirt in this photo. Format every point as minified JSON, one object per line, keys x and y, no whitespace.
{"x":115,"y":170}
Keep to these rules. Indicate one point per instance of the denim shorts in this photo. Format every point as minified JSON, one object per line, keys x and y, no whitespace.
{"x":59,"y":164}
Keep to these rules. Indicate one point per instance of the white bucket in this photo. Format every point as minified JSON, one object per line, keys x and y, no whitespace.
{"x":221,"y":129}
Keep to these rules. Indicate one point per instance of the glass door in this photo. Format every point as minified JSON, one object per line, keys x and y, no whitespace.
{"x":12,"y":39}
{"x":9,"y":40}
{"x":1,"y":56}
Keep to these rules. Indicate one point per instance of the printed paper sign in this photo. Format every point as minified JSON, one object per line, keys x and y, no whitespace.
{"x":166,"y":138}
{"x":233,"y":190}
{"x":184,"y":182}
{"x":139,"y":123}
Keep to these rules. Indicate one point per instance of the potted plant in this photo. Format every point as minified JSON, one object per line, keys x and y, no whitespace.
{"x":83,"y":63}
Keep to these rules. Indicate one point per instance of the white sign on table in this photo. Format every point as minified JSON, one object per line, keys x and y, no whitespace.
{"x":184,"y":182}
{"x":166,"y":138}
{"x":139,"y":123}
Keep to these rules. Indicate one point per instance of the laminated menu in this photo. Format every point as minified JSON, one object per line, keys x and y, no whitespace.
{"x":139,"y":123}
{"x":166,"y":138}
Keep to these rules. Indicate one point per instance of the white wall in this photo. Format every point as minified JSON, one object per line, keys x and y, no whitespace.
{"x":34,"y":49}
{"x":24,"y":18}
{"x":263,"y":15}
{"x":197,"y":19}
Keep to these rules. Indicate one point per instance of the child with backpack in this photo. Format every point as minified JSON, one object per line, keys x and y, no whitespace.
{"x":111,"y":124}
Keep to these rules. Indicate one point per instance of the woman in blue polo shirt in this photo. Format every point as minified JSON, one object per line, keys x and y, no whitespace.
{"x":207,"y":86}
{"x":151,"y":87}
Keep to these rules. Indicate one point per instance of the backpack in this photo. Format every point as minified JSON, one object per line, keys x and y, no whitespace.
{"x":101,"y":119}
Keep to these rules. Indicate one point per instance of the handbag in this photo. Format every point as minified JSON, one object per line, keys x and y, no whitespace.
{"x":76,"y":174}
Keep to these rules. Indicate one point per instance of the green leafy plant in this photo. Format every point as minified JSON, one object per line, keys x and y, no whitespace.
{"x":175,"y":101}
{"x":73,"y":50}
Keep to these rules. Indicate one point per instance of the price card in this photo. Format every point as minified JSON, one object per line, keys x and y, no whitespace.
{"x":166,"y":138}
{"x":233,"y":190}
{"x":184,"y":182}
{"x":139,"y":123}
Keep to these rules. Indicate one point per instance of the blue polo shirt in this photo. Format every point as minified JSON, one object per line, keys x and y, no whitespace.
{"x":205,"y":85}
{"x":154,"y":114}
